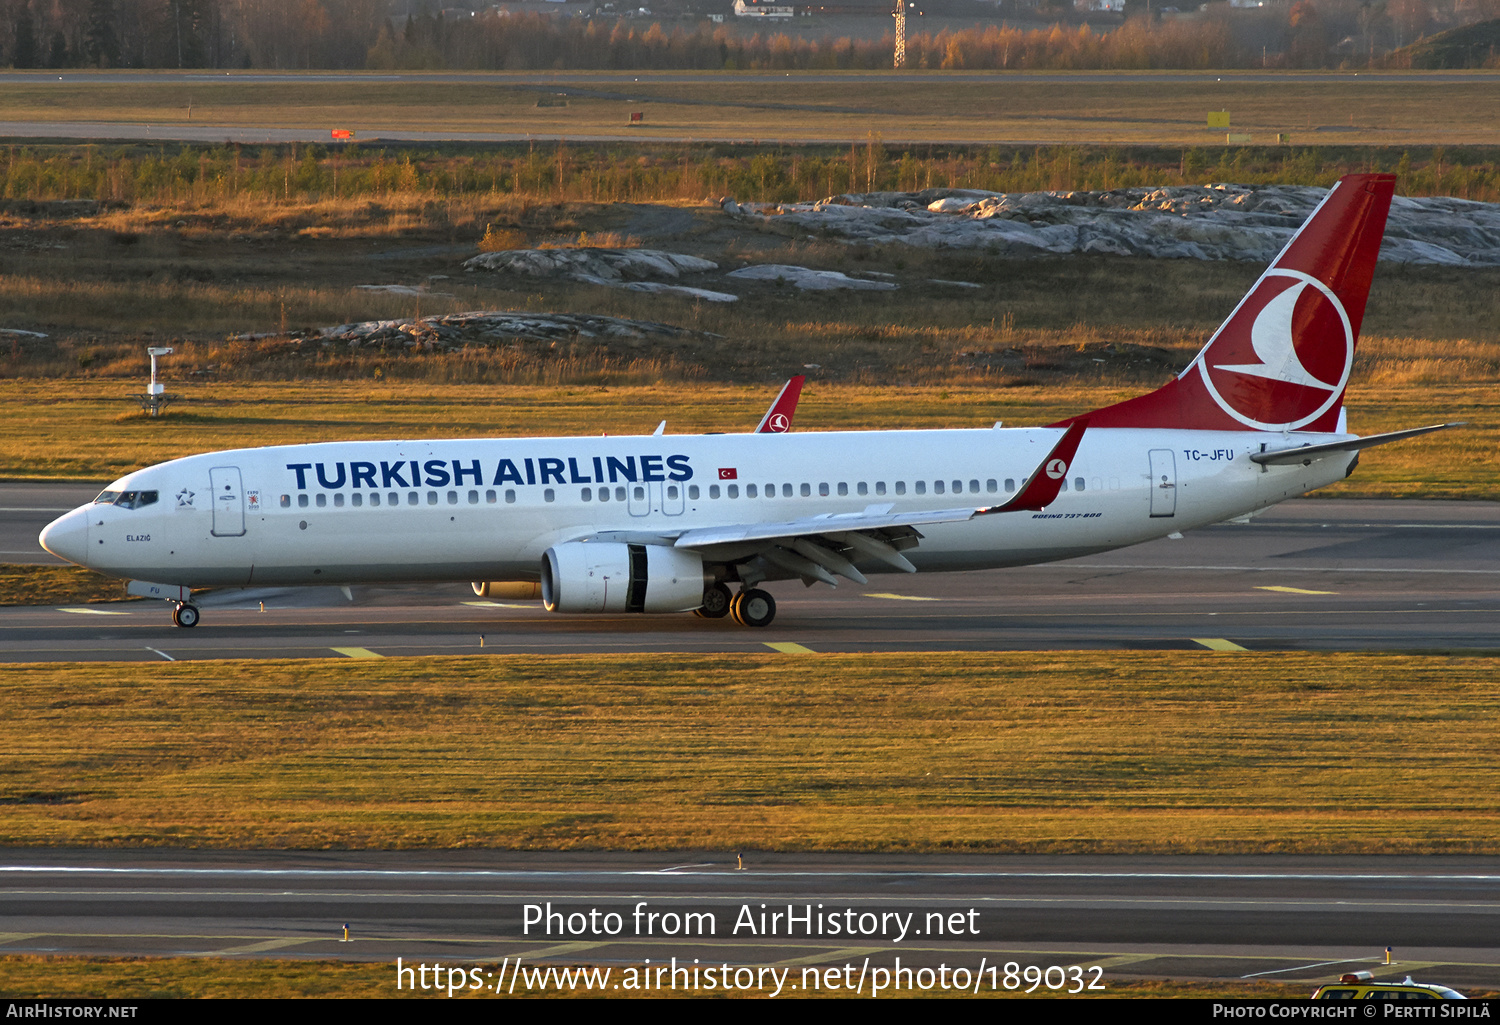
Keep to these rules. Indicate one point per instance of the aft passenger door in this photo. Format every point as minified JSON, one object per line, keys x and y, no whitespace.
{"x":1163,"y":482}
{"x":229,"y":501}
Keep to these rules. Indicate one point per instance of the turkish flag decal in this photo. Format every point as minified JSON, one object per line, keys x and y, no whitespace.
{"x":728,"y":473}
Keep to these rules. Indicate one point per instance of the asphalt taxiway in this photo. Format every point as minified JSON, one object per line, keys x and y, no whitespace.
{"x":1290,"y":919}
{"x":1306,"y":575}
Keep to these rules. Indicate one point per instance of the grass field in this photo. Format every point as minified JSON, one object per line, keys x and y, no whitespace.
{"x":1163,"y":752}
{"x":90,"y":430}
{"x":198,"y":978}
{"x":1116,"y":107}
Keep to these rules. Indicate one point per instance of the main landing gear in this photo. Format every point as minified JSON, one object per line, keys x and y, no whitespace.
{"x":751,"y":607}
{"x":185,"y":614}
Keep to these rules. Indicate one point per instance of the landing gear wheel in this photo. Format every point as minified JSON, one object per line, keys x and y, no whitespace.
{"x":716,"y":602}
{"x":753,"y":608}
{"x":185,"y":615}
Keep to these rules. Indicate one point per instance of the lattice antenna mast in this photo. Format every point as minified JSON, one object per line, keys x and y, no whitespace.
{"x":900,"y":15}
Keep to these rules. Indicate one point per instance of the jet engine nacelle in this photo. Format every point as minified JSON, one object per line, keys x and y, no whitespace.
{"x":522,"y":589}
{"x":607,"y":576}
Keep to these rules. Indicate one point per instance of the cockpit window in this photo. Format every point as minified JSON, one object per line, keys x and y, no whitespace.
{"x":128,"y":499}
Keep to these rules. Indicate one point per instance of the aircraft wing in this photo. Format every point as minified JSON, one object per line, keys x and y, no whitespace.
{"x":1307,"y":453}
{"x":816,"y":547}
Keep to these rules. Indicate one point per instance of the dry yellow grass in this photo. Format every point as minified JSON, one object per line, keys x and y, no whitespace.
{"x":1001,"y":752}
{"x":180,"y":978}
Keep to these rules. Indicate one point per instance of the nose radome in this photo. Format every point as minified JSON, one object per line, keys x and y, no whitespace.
{"x":67,"y":537}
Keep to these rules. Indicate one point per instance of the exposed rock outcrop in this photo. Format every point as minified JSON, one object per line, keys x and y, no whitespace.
{"x":455,"y":330}
{"x":1214,"y":222}
{"x":808,"y":280}
{"x":595,"y":266}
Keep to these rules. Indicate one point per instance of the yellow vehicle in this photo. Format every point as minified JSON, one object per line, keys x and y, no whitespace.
{"x":1362,"y":986}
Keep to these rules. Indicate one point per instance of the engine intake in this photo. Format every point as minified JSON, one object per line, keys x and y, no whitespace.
{"x":608,"y":576}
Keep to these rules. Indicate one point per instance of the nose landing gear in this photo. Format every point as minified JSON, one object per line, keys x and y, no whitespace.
{"x":185,"y":615}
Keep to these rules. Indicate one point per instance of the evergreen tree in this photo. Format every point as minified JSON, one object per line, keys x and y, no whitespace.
{"x":101,"y":42}
{"x":24,"y":27}
{"x":57,"y":56}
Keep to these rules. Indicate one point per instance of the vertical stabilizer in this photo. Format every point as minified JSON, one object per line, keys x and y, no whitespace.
{"x":1281,"y":361}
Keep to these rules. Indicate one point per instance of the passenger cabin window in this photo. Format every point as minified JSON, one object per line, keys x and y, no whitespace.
{"x":356,"y":499}
{"x":786,"y":490}
{"x":1077,"y":483}
{"x":734,"y":491}
{"x":286,"y":501}
{"x":432,"y":498}
{"x":991,"y":485}
{"x":322,"y":501}
{"x":549,"y":495}
{"x":338,"y":500}
{"x":510,"y":496}
{"x":880,"y":487}
{"x":843,"y":487}
{"x":374,"y":498}
{"x":750,"y":491}
{"x":473,"y":498}
{"x":862,"y":488}
{"x":901,"y":487}
{"x":713,"y":491}
{"x":921,"y":487}
{"x":587,"y":494}
{"x":807,"y":490}
{"x":411,"y":498}
{"x":937,"y":487}
{"x":301,"y":501}
{"x":453,"y":498}
{"x":823,"y":490}
{"x":489,"y":497}
{"x":1010,"y":484}
{"x":692,"y":492}
{"x":620,"y":493}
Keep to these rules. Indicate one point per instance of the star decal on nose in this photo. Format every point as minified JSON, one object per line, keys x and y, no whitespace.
{"x":184,"y":498}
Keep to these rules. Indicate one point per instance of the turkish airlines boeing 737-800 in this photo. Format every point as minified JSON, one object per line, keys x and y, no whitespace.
{"x":669,"y":523}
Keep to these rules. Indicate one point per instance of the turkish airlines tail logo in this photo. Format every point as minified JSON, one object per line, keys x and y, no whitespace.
{"x":1283,"y":359}
{"x":1273,"y":338}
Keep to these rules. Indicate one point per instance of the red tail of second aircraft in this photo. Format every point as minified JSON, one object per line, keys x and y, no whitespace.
{"x":1282,"y":359}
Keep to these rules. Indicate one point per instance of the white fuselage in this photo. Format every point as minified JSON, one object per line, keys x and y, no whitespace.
{"x":352,"y":512}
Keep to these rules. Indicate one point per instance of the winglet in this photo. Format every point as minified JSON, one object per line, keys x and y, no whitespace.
{"x":1046,"y":482}
{"x":778,"y":419}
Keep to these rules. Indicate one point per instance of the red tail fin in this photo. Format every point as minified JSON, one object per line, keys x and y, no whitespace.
{"x":1281,"y":361}
{"x":778,"y":419}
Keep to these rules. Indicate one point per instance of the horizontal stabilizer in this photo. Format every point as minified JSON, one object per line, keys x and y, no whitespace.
{"x":1307,"y":453}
